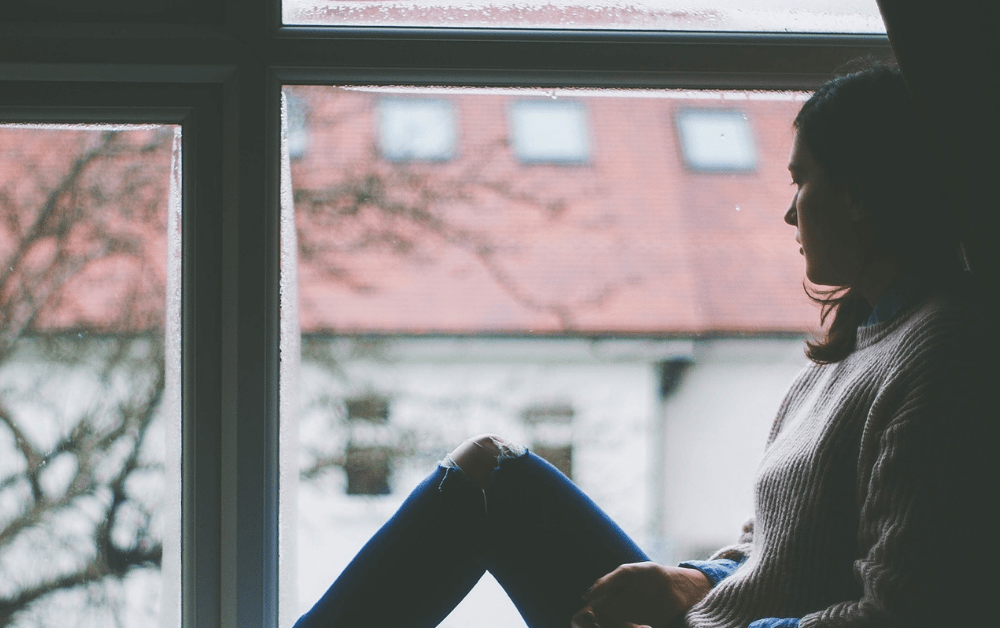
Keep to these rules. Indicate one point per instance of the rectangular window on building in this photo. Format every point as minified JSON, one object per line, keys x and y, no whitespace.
{"x":543,"y":131}
{"x":716,"y":140}
{"x":412,"y":129}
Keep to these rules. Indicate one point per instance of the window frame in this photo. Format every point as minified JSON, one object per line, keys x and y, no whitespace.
{"x":217,"y":68}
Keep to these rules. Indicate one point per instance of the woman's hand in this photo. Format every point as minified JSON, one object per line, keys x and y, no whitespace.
{"x":641,"y":594}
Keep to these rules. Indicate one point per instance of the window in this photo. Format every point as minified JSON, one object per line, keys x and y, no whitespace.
{"x":551,"y":431}
{"x":692,"y":15}
{"x":549,"y":132}
{"x":89,"y":397}
{"x":485,"y":294}
{"x":368,"y":459}
{"x":716,"y":140}
{"x":416,"y":130}
{"x":217,"y":72}
{"x":297,"y":134}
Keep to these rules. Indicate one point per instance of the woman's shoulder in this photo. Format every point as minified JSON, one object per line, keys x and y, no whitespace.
{"x":953,"y":315}
{"x":948,"y":338}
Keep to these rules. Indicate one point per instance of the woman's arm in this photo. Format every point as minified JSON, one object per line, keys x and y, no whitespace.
{"x":641,"y":594}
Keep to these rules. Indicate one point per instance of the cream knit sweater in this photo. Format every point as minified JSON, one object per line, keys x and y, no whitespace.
{"x":871,"y":498}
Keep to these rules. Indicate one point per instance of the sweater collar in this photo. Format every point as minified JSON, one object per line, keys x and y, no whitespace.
{"x":903,"y":293}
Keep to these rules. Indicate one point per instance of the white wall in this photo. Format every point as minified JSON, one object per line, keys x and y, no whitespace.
{"x":716,"y":426}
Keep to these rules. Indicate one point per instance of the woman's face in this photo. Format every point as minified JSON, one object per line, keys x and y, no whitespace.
{"x":827,"y":222}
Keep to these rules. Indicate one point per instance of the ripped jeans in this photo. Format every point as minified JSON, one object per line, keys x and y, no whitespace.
{"x":543,"y":540}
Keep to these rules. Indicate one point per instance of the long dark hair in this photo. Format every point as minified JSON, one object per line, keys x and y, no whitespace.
{"x":863,"y":130}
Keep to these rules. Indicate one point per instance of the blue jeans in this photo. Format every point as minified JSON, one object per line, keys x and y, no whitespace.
{"x":543,"y":540}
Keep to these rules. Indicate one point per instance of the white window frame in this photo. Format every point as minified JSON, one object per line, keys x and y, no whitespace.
{"x":216,"y":67}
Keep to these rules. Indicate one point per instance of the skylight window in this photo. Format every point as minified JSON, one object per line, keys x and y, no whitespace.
{"x":416,"y":129}
{"x":715,"y":140}
{"x":550,"y":132}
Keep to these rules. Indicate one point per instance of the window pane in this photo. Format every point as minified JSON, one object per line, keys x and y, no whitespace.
{"x":549,"y":132}
{"x":716,"y":139}
{"x":625,"y":316}
{"x":89,"y":364}
{"x":828,"y":16}
{"x":416,"y":129}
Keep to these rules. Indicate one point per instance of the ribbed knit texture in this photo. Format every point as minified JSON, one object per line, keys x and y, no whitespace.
{"x":874,"y":483}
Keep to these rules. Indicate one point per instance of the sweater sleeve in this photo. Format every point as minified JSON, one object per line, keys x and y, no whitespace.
{"x":715,"y":570}
{"x":775,"y":622}
{"x":926,"y":471}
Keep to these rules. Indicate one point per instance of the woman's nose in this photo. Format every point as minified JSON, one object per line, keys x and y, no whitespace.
{"x":791,"y":218}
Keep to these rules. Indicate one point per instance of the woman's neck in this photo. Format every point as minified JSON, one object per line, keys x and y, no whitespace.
{"x":878,"y":276}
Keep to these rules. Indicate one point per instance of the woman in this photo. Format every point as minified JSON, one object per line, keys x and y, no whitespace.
{"x":867,"y":499}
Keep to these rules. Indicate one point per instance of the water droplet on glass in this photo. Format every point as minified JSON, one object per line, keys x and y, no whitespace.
{"x":737,"y":208}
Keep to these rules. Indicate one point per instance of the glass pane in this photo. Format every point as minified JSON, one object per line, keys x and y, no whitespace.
{"x":89,"y":365}
{"x":624,"y":315}
{"x":814,"y":16}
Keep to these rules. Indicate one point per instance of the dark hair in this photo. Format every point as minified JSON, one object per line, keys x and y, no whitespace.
{"x":863,"y":130}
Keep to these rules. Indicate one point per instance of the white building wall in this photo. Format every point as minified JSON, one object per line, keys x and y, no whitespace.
{"x":716,"y":426}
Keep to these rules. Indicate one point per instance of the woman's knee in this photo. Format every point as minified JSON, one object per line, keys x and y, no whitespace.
{"x":477,"y":457}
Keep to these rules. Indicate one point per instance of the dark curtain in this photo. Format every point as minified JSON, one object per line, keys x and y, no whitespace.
{"x":948,"y":53}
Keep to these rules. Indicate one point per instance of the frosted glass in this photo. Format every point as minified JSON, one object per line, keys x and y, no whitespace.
{"x":830,"y":16}
{"x":89,"y":375}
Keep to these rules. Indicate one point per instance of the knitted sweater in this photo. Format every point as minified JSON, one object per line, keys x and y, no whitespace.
{"x":872,"y":489}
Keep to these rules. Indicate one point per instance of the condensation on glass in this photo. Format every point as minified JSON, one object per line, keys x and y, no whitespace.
{"x":603,"y":276}
{"x":89,"y":375}
{"x":814,"y":16}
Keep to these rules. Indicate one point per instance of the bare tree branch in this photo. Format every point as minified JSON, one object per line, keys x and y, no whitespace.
{"x":103,"y":208}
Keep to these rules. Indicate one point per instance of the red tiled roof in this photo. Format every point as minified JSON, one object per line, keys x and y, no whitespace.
{"x":632,"y":242}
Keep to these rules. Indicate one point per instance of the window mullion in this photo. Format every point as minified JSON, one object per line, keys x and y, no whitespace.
{"x":250,"y":350}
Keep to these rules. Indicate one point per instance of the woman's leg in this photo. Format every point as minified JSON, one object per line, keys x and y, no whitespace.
{"x":547,"y":542}
{"x":417,"y":567}
{"x":503,"y":510}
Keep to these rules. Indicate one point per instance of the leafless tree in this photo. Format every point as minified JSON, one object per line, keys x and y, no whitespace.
{"x":82,"y":229}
